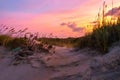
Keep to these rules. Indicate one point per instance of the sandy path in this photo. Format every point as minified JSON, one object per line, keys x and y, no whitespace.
{"x":65,"y":64}
{"x":22,"y":72}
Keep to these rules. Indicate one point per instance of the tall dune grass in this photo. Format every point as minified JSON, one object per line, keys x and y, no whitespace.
{"x":8,"y":40}
{"x":102,"y":37}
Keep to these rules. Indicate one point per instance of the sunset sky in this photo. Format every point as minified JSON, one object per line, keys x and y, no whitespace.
{"x":63,"y":18}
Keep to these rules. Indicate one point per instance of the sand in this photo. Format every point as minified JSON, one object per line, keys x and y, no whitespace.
{"x":65,"y":64}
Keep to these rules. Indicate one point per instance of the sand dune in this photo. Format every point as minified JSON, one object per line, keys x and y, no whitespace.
{"x":65,"y":64}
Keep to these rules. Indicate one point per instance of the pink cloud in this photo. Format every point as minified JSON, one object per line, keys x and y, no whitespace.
{"x":73,"y":26}
{"x":115,"y":12}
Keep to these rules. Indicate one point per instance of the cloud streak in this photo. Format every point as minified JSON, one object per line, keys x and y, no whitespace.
{"x":113,"y":12}
{"x":73,"y":26}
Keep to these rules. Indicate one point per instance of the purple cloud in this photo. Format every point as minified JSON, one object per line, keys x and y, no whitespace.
{"x":73,"y":26}
{"x":115,"y":12}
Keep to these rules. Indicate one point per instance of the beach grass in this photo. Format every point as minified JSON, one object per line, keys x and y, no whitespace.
{"x":102,"y":37}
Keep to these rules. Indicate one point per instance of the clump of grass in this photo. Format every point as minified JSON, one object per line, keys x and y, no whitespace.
{"x":10,"y":42}
{"x":16,"y":42}
{"x":27,"y":40}
{"x":102,"y":37}
{"x":4,"y":39}
{"x":7,"y":39}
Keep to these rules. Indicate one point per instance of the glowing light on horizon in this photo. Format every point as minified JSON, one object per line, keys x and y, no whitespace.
{"x":45,"y":16}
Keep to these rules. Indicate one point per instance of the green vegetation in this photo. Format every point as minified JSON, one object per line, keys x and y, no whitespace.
{"x":11,"y":42}
{"x":4,"y":39}
{"x":67,"y":42}
{"x":16,"y":42}
{"x":102,"y":37}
